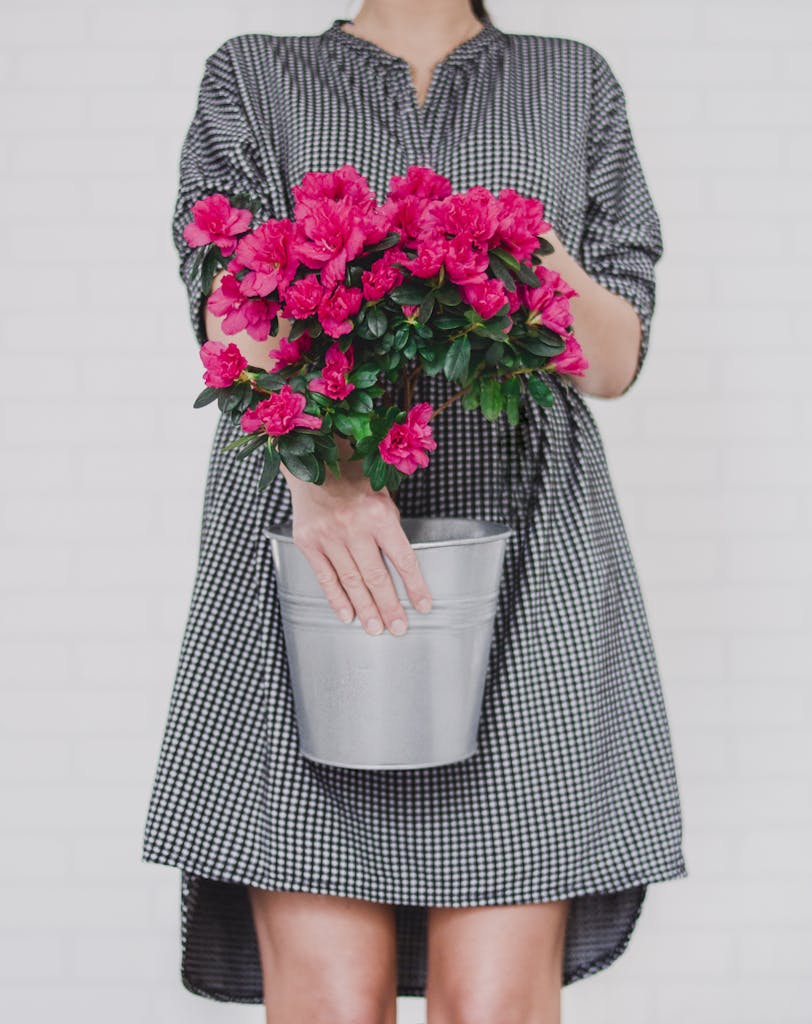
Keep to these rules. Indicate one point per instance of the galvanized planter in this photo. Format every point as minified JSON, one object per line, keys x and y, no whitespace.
{"x":383,"y":702}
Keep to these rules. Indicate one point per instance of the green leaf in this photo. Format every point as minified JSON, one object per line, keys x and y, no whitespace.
{"x":385,"y":243}
{"x":491,"y":330}
{"x":528,"y":276}
{"x":211,"y":264}
{"x":545,"y":247}
{"x":378,"y":474}
{"x":206,"y":395}
{"x":356,"y":426}
{"x":390,"y":416}
{"x":449,"y":322}
{"x":512,"y":410}
{"x":507,"y":258}
{"x":244,"y":440}
{"x":305,"y":467}
{"x":359,"y":401}
{"x":457,"y":359}
{"x":255,"y":442}
{"x":433,"y":358}
{"x":449,"y":294}
{"x":270,"y":381}
{"x":296,"y":328}
{"x":491,"y":399}
{"x":470,"y":400}
{"x":408,"y":294}
{"x":229,"y":399}
{"x":426,"y":308}
{"x":377,"y":321}
{"x":270,"y":465}
{"x":502,"y":272}
{"x":367,"y":444}
{"x":363,"y":378}
{"x":539,"y":391}
{"x":494,"y":353}
{"x":543,"y":346}
{"x":296,"y":443}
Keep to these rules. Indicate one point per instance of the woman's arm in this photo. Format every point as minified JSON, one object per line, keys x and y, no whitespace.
{"x":258,"y":353}
{"x":606,"y":325}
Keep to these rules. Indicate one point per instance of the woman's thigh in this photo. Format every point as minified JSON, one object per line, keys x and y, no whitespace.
{"x":500,"y":963}
{"x":325,"y":958}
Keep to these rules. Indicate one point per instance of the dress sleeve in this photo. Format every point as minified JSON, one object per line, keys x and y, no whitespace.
{"x":220,"y":153}
{"x":622,"y":239}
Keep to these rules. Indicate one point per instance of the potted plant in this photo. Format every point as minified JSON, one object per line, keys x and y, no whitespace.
{"x":427,"y":282}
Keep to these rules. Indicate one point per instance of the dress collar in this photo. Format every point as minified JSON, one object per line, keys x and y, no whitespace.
{"x":338,"y":41}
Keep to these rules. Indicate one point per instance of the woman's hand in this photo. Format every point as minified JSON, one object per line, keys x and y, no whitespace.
{"x":341,"y":526}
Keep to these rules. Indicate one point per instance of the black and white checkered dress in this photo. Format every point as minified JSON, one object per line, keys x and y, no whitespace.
{"x":573,"y":791}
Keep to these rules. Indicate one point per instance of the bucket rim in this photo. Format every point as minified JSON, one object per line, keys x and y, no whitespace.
{"x":504,"y":531}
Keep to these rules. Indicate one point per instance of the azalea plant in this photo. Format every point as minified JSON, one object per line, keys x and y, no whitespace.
{"x":427,"y":282}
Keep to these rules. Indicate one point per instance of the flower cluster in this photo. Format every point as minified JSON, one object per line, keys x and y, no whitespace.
{"x":428,"y":281}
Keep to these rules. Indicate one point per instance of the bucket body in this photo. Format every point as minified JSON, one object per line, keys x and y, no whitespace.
{"x":384,"y":702}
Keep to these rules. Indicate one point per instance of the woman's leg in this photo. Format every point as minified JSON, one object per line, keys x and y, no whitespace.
{"x":500,"y":963}
{"x":325,"y":958}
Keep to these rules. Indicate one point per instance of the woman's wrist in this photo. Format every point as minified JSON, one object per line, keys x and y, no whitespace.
{"x":350,"y":470}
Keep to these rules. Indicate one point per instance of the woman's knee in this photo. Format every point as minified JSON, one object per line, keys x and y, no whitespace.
{"x":496,"y":963}
{"x":325,"y":958}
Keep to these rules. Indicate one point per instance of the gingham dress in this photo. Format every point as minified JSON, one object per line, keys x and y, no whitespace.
{"x":573,"y":791}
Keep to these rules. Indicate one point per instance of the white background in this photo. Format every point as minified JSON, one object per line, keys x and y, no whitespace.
{"x":103,"y":462}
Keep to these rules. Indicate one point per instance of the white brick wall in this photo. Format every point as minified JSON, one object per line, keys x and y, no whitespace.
{"x":101,"y":500}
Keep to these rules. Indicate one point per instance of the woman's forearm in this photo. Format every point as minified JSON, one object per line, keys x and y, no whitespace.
{"x":258,"y":353}
{"x":606,"y":325}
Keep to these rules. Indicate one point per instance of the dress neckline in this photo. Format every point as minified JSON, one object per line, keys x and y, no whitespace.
{"x":468,"y":50}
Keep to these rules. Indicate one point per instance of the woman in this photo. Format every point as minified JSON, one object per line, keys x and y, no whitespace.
{"x":487,"y":884}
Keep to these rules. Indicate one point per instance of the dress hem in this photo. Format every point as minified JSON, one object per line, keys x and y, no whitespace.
{"x":236,"y":878}
{"x":641,"y":881}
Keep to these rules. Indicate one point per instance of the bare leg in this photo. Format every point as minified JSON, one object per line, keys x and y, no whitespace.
{"x":500,"y":963}
{"x":325,"y":958}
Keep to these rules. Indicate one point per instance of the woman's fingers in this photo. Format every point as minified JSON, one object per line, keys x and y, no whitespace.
{"x":344,"y":534}
{"x":398,"y":549}
{"x":353,"y":579}
{"x":379,"y":583}
{"x":328,"y":579}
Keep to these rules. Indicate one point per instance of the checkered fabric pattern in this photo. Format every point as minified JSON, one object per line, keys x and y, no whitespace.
{"x":572,"y":791}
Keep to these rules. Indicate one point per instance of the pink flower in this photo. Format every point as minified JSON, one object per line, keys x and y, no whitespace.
{"x":549,"y":303}
{"x":343,"y":182}
{"x":333,"y":380}
{"x":465,"y":262}
{"x":431,"y":253}
{"x":521,"y":222}
{"x":290,"y":352}
{"x":279,"y":413}
{"x":216,"y":220}
{"x":421,"y":181}
{"x":408,"y":216}
{"x":336,"y":308}
{"x":241,"y":312}
{"x":266,"y":252}
{"x":572,"y":359}
{"x":302,"y":298}
{"x":224,"y":363}
{"x":327,"y":236}
{"x":405,"y":446}
{"x":486,"y":297}
{"x":474,"y":213}
{"x":382,"y":276}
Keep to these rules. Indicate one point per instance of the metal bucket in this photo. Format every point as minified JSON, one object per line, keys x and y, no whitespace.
{"x":385,"y":701}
